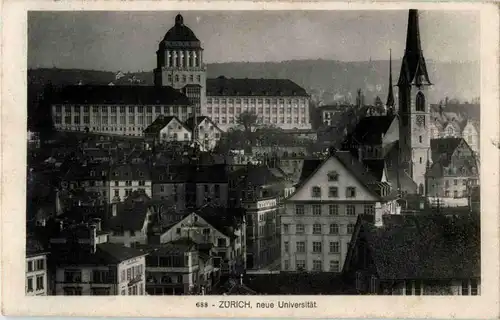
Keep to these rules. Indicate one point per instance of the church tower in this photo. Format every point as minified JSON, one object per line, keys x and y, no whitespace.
{"x":179,"y":64}
{"x":414,"y":117}
{"x":390,"y":95}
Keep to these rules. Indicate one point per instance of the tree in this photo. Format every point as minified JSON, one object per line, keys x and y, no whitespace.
{"x":248,"y":120}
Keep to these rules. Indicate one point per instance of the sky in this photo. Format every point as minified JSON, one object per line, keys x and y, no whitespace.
{"x":127,"y":41}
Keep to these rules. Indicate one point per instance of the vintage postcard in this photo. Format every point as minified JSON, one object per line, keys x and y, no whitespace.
{"x":245,"y":159}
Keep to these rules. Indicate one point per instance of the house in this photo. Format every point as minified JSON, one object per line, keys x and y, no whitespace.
{"x":87,"y":264}
{"x":261,"y":191}
{"x":415,"y":255}
{"x":92,"y":177}
{"x":320,"y":215}
{"x":327,"y":113}
{"x":126,"y":178}
{"x":452,"y":130}
{"x":453,"y":170}
{"x":436,"y":128}
{"x":36,"y":268}
{"x":470,"y":133}
{"x":128,"y":223}
{"x":200,"y":183}
{"x":168,"y":129}
{"x":219,"y":232}
{"x":179,"y":268}
{"x":207,"y":132}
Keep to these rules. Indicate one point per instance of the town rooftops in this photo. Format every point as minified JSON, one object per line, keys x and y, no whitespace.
{"x":129,"y":216}
{"x":223,"y":86}
{"x":424,"y":246}
{"x":444,"y":148}
{"x":370,"y":130}
{"x":178,"y":247}
{"x":105,"y":254}
{"x":190,"y":122}
{"x":210,"y":173}
{"x":160,"y":123}
{"x":129,"y":172}
{"x":34,"y":247}
{"x":126,"y":95}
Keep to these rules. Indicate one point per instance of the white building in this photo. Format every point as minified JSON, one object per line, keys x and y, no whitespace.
{"x":320,"y":215}
{"x":207,"y":132}
{"x":36,"y":269}
{"x":168,"y":129}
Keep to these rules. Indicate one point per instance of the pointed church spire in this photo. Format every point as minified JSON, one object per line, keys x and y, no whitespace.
{"x":390,"y":94}
{"x":413,"y":67}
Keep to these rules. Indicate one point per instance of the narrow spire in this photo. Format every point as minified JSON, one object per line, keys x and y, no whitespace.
{"x":390,"y":94}
{"x":413,"y":67}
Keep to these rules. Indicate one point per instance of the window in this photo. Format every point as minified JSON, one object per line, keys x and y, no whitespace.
{"x":455,"y":182}
{"x":316,"y":228}
{"x":299,"y":228}
{"x":287,"y":264}
{"x":350,"y":228}
{"x":299,"y":210}
{"x":286,"y":228}
{"x":420,"y":102}
{"x":333,"y":192}
{"x":334,"y":247}
{"x":351,"y":192}
{"x":316,"y":208}
{"x":316,"y":192}
{"x":301,"y":246}
{"x":316,"y":246}
{"x":30,"y":284}
{"x":73,"y":276}
{"x":30,"y":266}
{"x":334,"y":228}
{"x":300,"y":265}
{"x":408,"y":288}
{"x":317,"y":265}
{"x":473,"y":288}
{"x":286,"y":246}
{"x":333,"y":209}
{"x":333,"y":176}
{"x":334,"y":266}
{"x":369,"y":209}
{"x":351,"y":210}
{"x":418,"y":288}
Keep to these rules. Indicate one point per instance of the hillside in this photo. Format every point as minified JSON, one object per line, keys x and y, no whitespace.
{"x":324,"y":79}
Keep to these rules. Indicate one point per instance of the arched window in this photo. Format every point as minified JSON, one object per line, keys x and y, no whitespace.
{"x":420,"y":102}
{"x":421,"y":189}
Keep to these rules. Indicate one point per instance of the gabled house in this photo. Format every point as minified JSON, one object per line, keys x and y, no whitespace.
{"x":415,"y":255}
{"x":214,"y":233}
{"x":168,"y":129}
{"x":454,"y":169}
{"x":452,"y":130}
{"x":128,"y":223}
{"x":320,"y":215}
{"x":208,"y":133}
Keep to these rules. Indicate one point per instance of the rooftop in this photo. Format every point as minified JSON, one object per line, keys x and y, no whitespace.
{"x":223,"y":86}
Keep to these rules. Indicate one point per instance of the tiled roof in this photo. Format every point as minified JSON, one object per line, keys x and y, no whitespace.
{"x":442,"y":149}
{"x":106,"y":254}
{"x":425,"y":247}
{"x":129,"y":216}
{"x":33,"y":246}
{"x":223,"y":86}
{"x":369,"y":130}
{"x":309,"y":166}
{"x":128,"y":95}
{"x":160,"y":123}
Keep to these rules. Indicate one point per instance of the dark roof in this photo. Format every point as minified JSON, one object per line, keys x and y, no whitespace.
{"x":211,"y":173}
{"x":225,"y":220}
{"x":258,"y":175}
{"x":444,"y":148}
{"x":369,"y":130}
{"x":106,"y":254}
{"x":190,"y":122}
{"x":413,"y":67}
{"x":127,"y":95}
{"x":376,"y":167}
{"x":425,"y":247}
{"x":471,"y":110}
{"x":223,"y":86}
{"x":33,"y":246}
{"x":309,"y":166}
{"x":160,"y":123}
{"x":129,"y":216}
{"x":90,"y":171}
{"x":180,"y":32}
{"x":133,"y":171}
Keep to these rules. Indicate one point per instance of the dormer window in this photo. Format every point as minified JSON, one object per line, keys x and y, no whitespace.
{"x":333,"y":176}
{"x":316,"y":192}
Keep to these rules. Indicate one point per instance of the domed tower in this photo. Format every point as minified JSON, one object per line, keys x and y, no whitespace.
{"x":180,"y":63}
{"x":414,"y":116}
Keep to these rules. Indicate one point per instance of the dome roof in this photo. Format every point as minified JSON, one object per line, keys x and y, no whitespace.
{"x":180,"y":32}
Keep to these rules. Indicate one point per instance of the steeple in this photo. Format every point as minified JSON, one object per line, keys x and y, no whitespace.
{"x":390,"y":94}
{"x":413,"y":67}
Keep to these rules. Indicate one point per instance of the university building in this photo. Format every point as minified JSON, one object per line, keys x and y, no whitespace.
{"x":181,"y":89}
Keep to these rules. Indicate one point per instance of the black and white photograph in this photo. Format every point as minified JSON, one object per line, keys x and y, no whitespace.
{"x":254,"y":152}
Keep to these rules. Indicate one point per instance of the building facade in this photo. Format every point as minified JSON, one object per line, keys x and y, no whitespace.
{"x":320,"y":216}
{"x":36,"y":269}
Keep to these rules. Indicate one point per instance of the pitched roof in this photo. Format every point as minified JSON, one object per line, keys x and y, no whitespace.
{"x":33,"y":246}
{"x":425,"y":247}
{"x":132,"y":171}
{"x":134,"y":95}
{"x":443,"y":148}
{"x":160,"y":123}
{"x":210,"y":173}
{"x":190,"y":122}
{"x":129,"y":216}
{"x":309,"y":166}
{"x":469,"y":110}
{"x":223,"y":86}
{"x":106,"y":254}
{"x":369,"y":130}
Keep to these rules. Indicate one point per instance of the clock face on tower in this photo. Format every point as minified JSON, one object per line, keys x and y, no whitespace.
{"x":421,"y":121}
